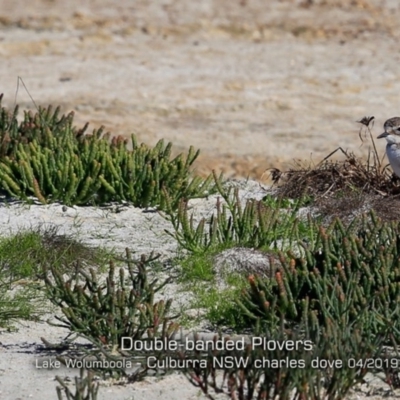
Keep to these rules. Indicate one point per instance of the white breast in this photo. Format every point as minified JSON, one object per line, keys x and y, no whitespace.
{"x":393,"y":153}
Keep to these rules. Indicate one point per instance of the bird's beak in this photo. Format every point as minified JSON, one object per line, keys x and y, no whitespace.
{"x":382,"y":135}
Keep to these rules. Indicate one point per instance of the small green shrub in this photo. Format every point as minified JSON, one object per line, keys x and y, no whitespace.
{"x":303,"y":363}
{"x":46,"y":156}
{"x":107,"y":311}
{"x":257,"y":224}
{"x":344,"y":272}
{"x":85,"y":387}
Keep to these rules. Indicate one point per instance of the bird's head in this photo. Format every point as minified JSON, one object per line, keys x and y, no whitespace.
{"x":392,"y":130}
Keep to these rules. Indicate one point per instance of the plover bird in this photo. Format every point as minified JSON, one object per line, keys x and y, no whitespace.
{"x":392,"y":136}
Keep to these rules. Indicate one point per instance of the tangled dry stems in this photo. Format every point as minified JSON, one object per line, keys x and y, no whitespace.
{"x":346,"y":187}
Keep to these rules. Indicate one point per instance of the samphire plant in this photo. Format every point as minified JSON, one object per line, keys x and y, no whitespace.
{"x":85,"y":387}
{"x":339,"y":286}
{"x":308,"y":362}
{"x":345,"y":271}
{"x":251,"y":223}
{"x":106,"y":311}
{"x":46,"y":156}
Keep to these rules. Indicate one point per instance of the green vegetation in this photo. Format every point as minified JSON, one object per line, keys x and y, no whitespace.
{"x":346,"y":271}
{"x":27,"y":251}
{"x":217,"y":305}
{"x":220,"y":306}
{"x":47,"y":157}
{"x":85,"y":387}
{"x":22,"y":258}
{"x":258,"y":224}
{"x":324,"y":365}
{"x":334,"y":285}
{"x":107,"y":311}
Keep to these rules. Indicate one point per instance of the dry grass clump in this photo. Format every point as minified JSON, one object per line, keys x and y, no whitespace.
{"x":346,"y":187}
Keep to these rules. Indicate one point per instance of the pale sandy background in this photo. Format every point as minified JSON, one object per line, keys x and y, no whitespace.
{"x":252,"y":83}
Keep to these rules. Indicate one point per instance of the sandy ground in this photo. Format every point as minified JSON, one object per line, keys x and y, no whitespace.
{"x":22,"y":352}
{"x":251,"y":83}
